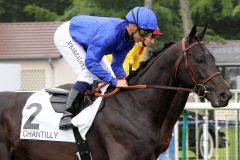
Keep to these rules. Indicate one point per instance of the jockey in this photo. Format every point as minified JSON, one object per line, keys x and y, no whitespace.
{"x":135,"y":55}
{"x":84,"y":40}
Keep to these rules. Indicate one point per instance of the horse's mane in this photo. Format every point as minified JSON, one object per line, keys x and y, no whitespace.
{"x":153,"y":55}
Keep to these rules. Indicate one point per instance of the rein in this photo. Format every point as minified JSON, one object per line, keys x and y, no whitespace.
{"x":138,"y":87}
{"x":198,"y":85}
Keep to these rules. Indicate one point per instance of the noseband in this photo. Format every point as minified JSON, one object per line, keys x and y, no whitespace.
{"x":198,"y":84}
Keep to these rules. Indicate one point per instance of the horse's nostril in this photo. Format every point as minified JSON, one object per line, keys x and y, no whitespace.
{"x":225,"y":96}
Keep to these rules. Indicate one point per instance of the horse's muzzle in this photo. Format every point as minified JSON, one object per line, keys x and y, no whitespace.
{"x":219,"y":100}
{"x":225,"y":96}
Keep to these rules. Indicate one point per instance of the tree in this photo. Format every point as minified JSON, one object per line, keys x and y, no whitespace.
{"x":222,"y":16}
{"x":169,"y":21}
{"x":32,"y":10}
{"x":186,"y":16}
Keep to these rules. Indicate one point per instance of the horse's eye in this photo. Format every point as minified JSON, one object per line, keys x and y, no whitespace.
{"x":199,"y":60}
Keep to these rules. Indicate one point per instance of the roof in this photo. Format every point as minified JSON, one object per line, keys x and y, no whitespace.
{"x":226,"y":54}
{"x":28,"y":40}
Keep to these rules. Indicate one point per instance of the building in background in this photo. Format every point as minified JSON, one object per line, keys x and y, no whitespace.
{"x":228,"y":59}
{"x":31,"y":46}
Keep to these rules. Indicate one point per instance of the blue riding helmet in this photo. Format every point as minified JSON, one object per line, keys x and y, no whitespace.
{"x":143,"y":17}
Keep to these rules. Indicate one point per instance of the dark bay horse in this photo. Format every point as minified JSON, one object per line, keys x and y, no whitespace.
{"x":134,"y":124}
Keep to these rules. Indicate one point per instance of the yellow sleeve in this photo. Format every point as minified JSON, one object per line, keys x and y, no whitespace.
{"x":109,"y":57}
{"x":130,"y":59}
{"x":134,"y":57}
{"x":138,"y":59}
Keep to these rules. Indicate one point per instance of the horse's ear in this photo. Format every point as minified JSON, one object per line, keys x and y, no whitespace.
{"x":201,"y":34}
{"x":192,"y":33}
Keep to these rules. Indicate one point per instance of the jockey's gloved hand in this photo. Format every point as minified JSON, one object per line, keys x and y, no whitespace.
{"x":122,"y":83}
{"x":119,"y":82}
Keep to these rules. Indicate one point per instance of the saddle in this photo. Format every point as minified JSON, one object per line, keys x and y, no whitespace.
{"x":59,"y":97}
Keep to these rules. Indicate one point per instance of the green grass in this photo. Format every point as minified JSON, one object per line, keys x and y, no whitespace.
{"x":230,"y":153}
{"x":223,"y":154}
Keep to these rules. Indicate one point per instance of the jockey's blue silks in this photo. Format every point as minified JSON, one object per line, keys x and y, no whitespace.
{"x":100,"y":36}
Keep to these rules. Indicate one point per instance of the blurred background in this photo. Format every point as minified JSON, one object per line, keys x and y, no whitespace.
{"x":30,"y":61}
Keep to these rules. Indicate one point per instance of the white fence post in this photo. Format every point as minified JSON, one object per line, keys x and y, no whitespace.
{"x":216,"y":140}
{"x":176,"y":140}
{"x":205,"y":135}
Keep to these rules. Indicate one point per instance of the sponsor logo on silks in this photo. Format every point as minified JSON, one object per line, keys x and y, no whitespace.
{"x":77,"y":55}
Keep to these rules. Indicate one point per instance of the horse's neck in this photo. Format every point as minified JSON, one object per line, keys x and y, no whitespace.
{"x":158,"y":71}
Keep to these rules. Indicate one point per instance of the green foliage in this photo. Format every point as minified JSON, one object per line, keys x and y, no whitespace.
{"x":169,"y":22}
{"x":39,"y":13}
{"x":78,"y":7}
{"x":10,"y":10}
{"x":222,"y":16}
{"x":227,"y":7}
{"x":118,"y":5}
{"x":236,"y":11}
{"x":2,"y":10}
{"x":88,"y":7}
{"x":23,"y":10}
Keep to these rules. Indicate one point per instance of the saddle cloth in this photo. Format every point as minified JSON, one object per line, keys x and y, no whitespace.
{"x":40,"y":121}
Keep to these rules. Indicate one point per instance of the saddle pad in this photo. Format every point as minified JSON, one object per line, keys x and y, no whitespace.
{"x":40,"y":121}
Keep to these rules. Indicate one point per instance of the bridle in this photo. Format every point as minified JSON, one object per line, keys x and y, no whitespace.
{"x":199,"y":85}
{"x":189,"y":66}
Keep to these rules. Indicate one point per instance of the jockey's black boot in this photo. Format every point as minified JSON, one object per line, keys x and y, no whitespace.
{"x":73,"y":105}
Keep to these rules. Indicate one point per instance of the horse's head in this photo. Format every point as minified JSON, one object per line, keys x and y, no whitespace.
{"x":196,"y":68}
